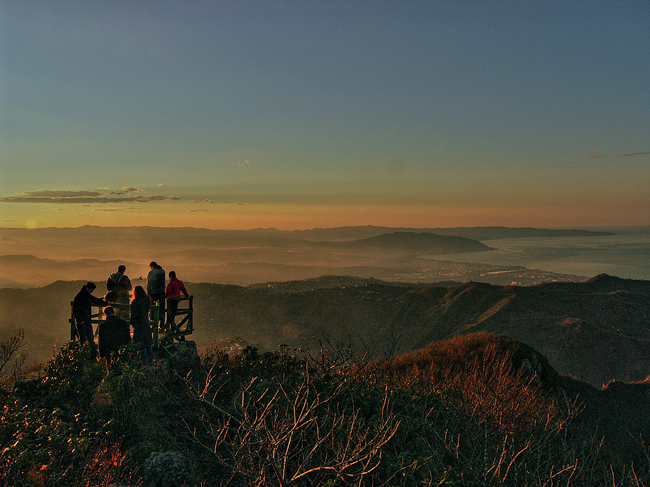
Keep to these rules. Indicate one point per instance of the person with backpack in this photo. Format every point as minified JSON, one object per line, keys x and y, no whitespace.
{"x":119,"y":290}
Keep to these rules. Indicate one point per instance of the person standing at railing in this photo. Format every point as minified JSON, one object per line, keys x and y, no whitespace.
{"x":82,"y":312}
{"x":140,"y":322}
{"x":156,"y":289}
{"x":119,"y":290}
{"x":173,"y":295}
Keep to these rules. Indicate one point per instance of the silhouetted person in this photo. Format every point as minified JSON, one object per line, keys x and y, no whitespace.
{"x":156,"y":289}
{"x":112,"y":334}
{"x":119,"y":290}
{"x":173,"y":294}
{"x":140,"y":323}
{"x":82,"y":312}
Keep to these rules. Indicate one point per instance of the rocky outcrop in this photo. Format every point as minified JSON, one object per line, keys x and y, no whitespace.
{"x":165,"y":469}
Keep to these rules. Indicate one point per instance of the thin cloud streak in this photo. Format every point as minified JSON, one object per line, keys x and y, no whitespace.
{"x":631,"y":154}
{"x":83,"y":197}
{"x":129,"y":190}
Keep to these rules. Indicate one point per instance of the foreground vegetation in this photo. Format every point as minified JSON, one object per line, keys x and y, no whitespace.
{"x":465,"y":414}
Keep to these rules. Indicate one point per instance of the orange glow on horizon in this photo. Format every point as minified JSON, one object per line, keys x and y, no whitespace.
{"x":302,"y":217}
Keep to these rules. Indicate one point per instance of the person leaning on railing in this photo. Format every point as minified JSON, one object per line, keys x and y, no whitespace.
{"x":173,"y":294}
{"x":82,"y":312}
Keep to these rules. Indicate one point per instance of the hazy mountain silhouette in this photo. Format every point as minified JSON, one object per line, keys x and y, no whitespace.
{"x":28,"y":270}
{"x":417,"y":242}
{"x":247,"y":257}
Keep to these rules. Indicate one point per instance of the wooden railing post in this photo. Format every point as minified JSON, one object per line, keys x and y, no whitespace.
{"x":190,"y":323}
{"x":154,"y":323}
{"x":73,"y":327}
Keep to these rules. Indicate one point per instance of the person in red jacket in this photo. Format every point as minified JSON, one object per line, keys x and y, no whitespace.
{"x":173,"y":295}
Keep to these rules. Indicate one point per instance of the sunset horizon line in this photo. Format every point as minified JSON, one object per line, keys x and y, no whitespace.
{"x":337,"y":227}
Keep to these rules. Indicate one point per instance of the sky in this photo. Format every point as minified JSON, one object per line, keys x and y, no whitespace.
{"x":306,"y":114}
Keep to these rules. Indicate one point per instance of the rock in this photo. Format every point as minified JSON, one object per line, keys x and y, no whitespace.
{"x":165,"y":469}
{"x":186,"y":358}
{"x":533,"y":367}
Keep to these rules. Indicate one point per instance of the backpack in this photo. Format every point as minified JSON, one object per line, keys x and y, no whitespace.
{"x":111,"y":284}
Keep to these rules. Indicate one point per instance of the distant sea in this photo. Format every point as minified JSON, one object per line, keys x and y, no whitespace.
{"x":622,"y":255}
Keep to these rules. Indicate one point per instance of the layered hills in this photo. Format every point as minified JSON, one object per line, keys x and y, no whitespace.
{"x":596,"y":331}
{"x":481,"y":342}
{"x":32,"y":258}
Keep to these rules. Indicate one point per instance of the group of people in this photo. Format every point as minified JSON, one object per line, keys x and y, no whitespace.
{"x":114,"y":332}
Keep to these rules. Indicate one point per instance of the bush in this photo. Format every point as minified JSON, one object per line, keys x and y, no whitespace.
{"x":71,"y":425}
{"x":271,"y":420}
{"x":281,"y":418}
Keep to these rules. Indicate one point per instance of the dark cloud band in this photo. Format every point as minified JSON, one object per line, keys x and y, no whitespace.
{"x":82,"y":197}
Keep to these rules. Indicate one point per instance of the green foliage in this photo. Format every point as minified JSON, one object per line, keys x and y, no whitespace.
{"x":69,"y":423}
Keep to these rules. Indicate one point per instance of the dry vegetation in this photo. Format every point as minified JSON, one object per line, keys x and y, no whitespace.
{"x":474,"y":411}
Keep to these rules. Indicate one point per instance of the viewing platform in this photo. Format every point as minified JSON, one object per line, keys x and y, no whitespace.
{"x":165,"y":341}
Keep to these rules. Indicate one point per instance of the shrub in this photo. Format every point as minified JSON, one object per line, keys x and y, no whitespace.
{"x":70,"y":426}
{"x":459,"y":413}
{"x":269,"y":420}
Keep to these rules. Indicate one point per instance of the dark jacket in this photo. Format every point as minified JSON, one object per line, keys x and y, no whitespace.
{"x":156,"y":281}
{"x":119,"y":288}
{"x":82,"y":305}
{"x":112,"y":333}
{"x":140,"y":321}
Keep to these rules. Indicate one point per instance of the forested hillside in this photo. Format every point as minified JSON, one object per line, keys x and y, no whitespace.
{"x":596,"y":331}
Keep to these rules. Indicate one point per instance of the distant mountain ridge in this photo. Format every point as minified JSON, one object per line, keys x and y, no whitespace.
{"x":418,"y":242}
{"x":19,"y":270}
{"x":244,"y":257}
{"x":476,"y":233}
{"x":336,"y":233}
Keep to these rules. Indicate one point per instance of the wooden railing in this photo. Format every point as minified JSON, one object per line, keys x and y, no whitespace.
{"x":178,"y":332}
{"x":161,"y":340}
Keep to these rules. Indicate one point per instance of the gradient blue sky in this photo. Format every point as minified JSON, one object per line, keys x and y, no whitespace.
{"x":303,"y":114}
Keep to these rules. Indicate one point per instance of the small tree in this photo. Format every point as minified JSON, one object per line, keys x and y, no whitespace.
{"x":8,"y":352}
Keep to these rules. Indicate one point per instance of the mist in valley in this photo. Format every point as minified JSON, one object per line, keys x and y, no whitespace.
{"x":266,"y":287}
{"x":33,"y":258}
